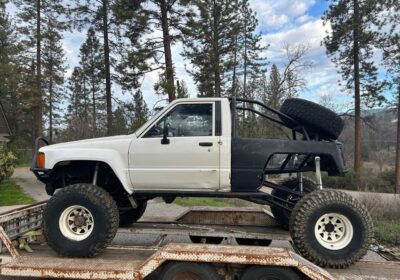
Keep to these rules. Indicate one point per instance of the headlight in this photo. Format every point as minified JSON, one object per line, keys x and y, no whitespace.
{"x":40,"y":161}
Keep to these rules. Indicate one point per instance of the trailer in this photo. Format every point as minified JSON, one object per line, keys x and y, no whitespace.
{"x":173,"y":260}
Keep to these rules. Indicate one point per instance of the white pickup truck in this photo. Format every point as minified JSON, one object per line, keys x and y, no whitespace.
{"x":192,"y":149}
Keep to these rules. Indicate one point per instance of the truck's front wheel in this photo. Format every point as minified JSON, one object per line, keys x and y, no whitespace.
{"x":80,"y":220}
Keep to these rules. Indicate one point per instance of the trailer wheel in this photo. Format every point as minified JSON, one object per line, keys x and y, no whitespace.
{"x":80,"y":220}
{"x":270,"y":273}
{"x":253,"y":242}
{"x":206,"y":239}
{"x":189,"y":271}
{"x":282,"y":216}
{"x":129,"y":215}
{"x":331,"y":229}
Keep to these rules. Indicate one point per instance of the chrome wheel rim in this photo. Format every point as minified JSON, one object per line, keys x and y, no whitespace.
{"x":334,"y":231}
{"x":76,"y":223}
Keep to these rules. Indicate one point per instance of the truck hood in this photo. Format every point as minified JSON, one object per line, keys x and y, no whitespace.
{"x":101,"y":142}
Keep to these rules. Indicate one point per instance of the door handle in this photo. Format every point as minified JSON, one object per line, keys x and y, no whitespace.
{"x":205,"y":144}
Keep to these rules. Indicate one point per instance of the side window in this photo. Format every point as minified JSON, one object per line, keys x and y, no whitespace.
{"x":185,"y":120}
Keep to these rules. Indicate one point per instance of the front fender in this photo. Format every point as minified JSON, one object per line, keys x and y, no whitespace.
{"x":117,"y":161}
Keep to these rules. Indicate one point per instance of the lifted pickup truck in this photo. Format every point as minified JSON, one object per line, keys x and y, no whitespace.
{"x":192,"y":149}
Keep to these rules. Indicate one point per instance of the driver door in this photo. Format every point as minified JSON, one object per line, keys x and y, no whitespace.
{"x":179,"y":152}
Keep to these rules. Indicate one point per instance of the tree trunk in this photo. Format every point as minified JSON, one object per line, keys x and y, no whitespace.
{"x":51,"y":106}
{"x":357,"y":96}
{"x":169,"y":70}
{"x":234,"y":67}
{"x":217,"y":74}
{"x":107,"y":68}
{"x":93,"y":107}
{"x":39,"y":101}
{"x":245,"y":61}
{"x":397,"y":186}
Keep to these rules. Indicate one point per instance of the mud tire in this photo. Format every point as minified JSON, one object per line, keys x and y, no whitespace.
{"x":103,"y":210}
{"x":303,"y":223}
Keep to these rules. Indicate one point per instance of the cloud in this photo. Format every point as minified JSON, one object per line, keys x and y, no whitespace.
{"x":323,"y":76}
{"x":274,"y":14}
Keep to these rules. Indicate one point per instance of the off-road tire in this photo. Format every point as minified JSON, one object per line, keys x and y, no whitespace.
{"x":128,"y":217}
{"x":102,"y":208}
{"x":282,"y":216}
{"x":201,"y":271}
{"x":270,"y":273}
{"x":316,"y":118}
{"x":303,"y":222}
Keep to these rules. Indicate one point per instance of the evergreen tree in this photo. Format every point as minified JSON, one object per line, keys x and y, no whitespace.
{"x":120,"y":125}
{"x":252,"y":63}
{"x":91,"y":62}
{"x":139,"y":111}
{"x":350,"y":45}
{"x":53,"y":70}
{"x":149,"y":17}
{"x":209,"y":41}
{"x":181,"y":89}
{"x":99,"y":15}
{"x":389,"y":43}
{"x":33,"y":17}
{"x":274,"y":91}
{"x":77,"y":116}
{"x":9,"y":70}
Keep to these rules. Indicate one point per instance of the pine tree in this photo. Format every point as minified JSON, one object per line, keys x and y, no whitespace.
{"x":53,"y":70}
{"x":100,"y":16}
{"x":139,"y":111}
{"x":143,"y":19}
{"x":78,"y":115}
{"x":350,"y":45}
{"x":91,"y":62}
{"x":9,"y":70}
{"x":274,"y":91}
{"x":251,"y":49}
{"x":33,"y":17}
{"x":209,"y":41}
{"x":181,"y":89}
{"x":389,"y":43}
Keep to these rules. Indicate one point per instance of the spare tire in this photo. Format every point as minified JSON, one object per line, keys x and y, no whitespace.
{"x":315,"y":118}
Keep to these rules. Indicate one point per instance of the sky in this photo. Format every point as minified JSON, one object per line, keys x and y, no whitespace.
{"x":280,"y":22}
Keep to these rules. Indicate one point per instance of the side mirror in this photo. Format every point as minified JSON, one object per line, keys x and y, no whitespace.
{"x":165,"y":140}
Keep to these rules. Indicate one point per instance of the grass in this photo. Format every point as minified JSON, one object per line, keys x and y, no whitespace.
{"x":11,"y":194}
{"x":387,"y":233}
{"x":386,"y":217}
{"x":202,"y":201}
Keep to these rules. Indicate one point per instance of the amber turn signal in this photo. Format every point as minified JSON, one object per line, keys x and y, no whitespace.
{"x":40,"y":161}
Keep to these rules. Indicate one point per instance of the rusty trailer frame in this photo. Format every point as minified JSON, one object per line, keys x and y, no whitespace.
{"x":137,"y":262}
{"x":142,"y":262}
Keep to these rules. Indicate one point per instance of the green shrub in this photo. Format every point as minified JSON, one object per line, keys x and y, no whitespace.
{"x":370,"y":181}
{"x":7,"y":160}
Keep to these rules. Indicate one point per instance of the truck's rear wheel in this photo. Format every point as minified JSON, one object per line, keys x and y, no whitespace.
{"x":282,"y":215}
{"x":80,"y":220}
{"x":129,"y":215}
{"x":189,"y":271}
{"x":330,"y":228}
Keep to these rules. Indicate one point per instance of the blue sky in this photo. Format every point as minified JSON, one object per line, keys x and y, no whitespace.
{"x":281,"y":22}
